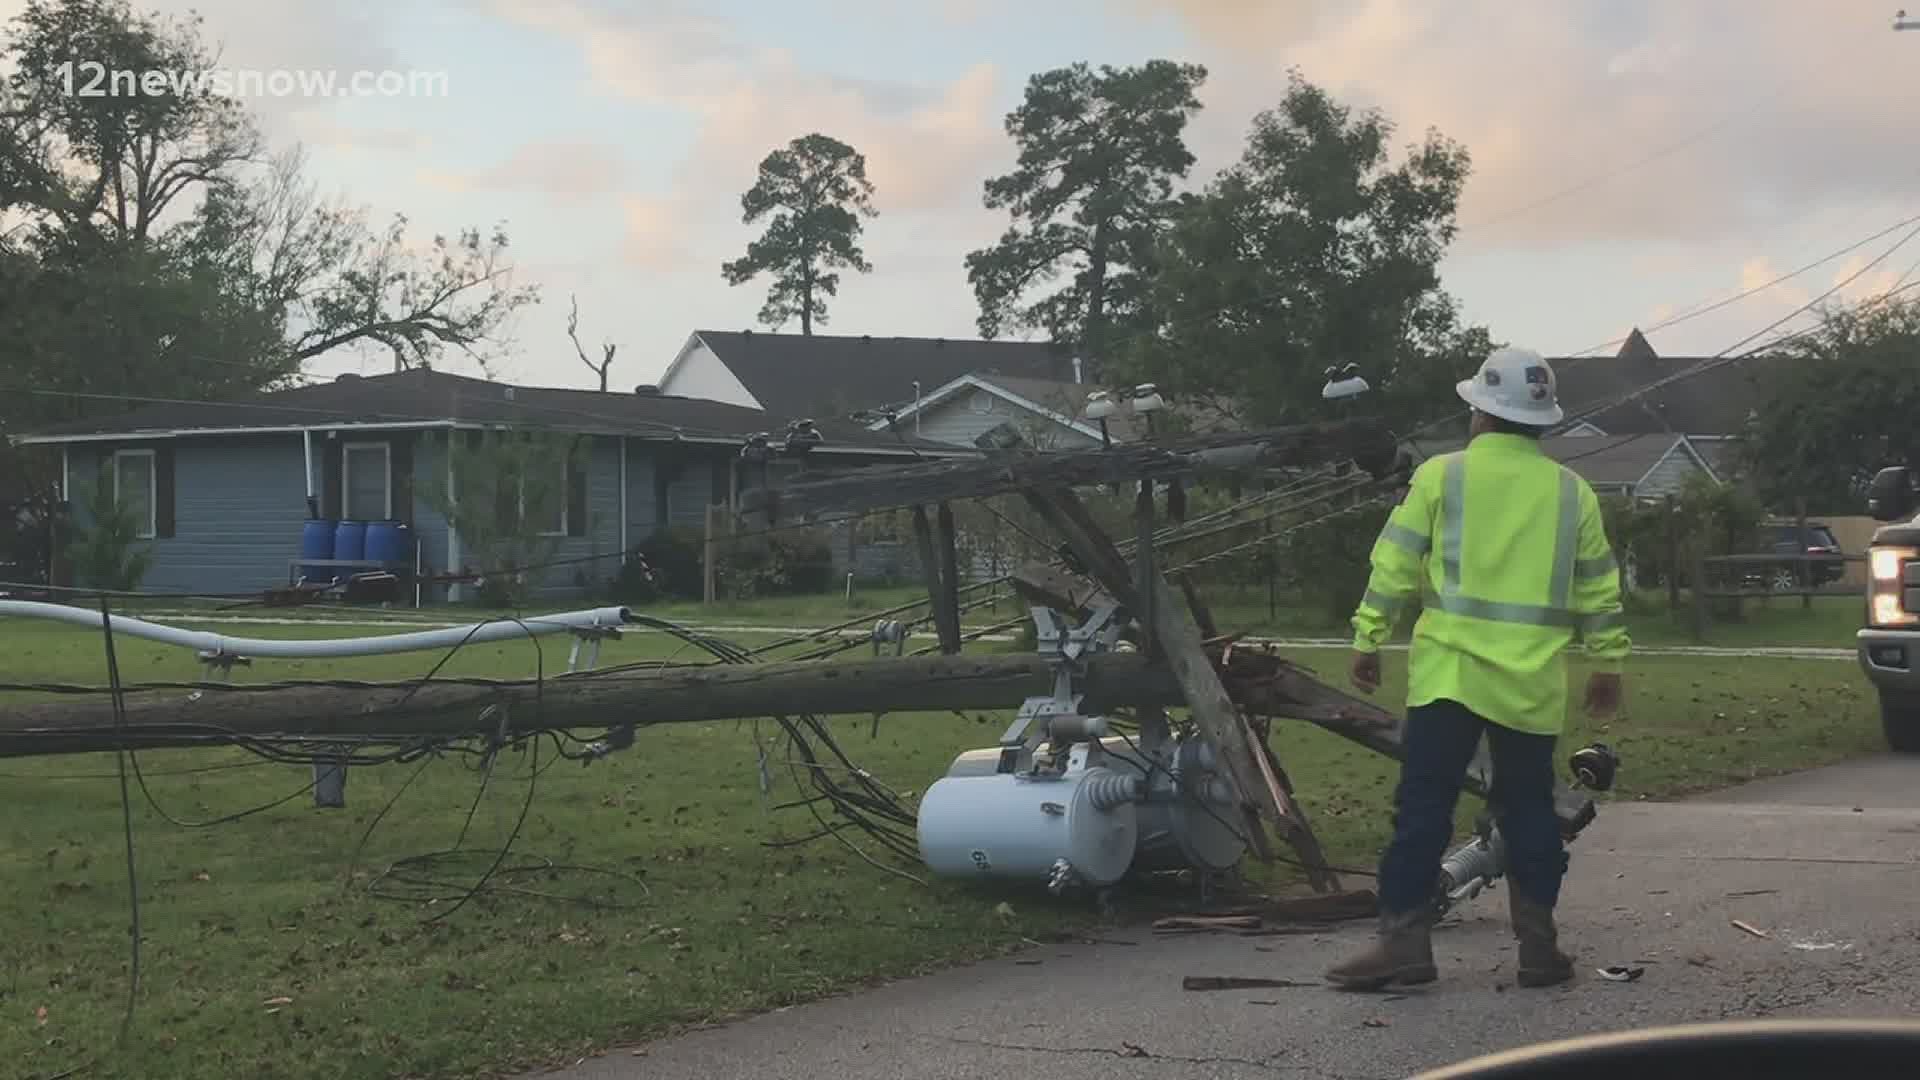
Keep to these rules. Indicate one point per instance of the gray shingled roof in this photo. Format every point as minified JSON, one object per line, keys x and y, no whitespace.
{"x":1717,"y":402}
{"x":824,"y":376}
{"x":1599,"y":459}
{"x":423,"y":396}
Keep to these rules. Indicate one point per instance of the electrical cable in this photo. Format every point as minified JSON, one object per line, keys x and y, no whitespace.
{"x":126,"y":824}
{"x":1696,"y":312}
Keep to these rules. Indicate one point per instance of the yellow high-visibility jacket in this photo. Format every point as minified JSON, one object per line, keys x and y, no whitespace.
{"x":1507,"y":551}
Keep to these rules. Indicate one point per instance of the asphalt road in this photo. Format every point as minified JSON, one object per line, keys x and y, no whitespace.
{"x":1826,"y":864}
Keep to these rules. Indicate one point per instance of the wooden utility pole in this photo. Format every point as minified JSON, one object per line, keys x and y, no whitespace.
{"x":1700,"y":599}
{"x":1805,"y":561}
{"x":1175,"y":635}
{"x":947,"y":538}
{"x":1673,"y":556}
{"x":943,"y":592}
{"x":405,"y":710}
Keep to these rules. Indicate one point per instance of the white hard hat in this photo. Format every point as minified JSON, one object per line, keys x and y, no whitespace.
{"x":1515,"y":385}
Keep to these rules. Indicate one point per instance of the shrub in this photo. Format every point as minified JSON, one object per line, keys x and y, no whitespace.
{"x":106,"y":552}
{"x":632,"y":586}
{"x":674,"y":554}
{"x":789,"y":563}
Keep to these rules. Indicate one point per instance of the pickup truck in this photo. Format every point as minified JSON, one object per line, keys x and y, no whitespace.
{"x":1889,"y":644}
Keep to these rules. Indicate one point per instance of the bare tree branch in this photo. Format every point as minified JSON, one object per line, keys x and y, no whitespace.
{"x":607,"y":347}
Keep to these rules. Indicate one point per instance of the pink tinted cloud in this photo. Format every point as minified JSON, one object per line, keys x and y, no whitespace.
{"x":1634,"y":121}
{"x":567,"y":172}
{"x":927,"y":148}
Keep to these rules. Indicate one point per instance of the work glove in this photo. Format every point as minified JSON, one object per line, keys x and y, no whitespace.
{"x":1366,"y":671}
{"x":1604,"y":691}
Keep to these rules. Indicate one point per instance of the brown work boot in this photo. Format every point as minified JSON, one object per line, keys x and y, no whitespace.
{"x":1541,"y":961}
{"x":1402,"y":956}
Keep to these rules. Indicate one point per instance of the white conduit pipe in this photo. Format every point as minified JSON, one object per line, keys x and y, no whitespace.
{"x":290,"y":649}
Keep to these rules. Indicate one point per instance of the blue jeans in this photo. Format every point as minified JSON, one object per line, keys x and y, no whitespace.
{"x":1440,"y":742}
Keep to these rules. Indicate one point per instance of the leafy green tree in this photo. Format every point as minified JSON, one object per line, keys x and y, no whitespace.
{"x":1838,"y":405}
{"x":1315,"y":250}
{"x":82,"y":152}
{"x":509,"y":489}
{"x":1091,"y":190}
{"x":816,"y":190}
{"x":105,"y":551}
{"x":153,"y":250}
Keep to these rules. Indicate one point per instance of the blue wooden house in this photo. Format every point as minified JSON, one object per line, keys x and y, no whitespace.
{"x":223,"y":492}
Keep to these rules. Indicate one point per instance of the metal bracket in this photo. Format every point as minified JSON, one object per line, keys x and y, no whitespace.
{"x":619,"y":738}
{"x":1056,"y":717}
{"x":222,"y":662}
{"x":591,"y":636}
{"x":219,"y":667}
{"x":888,"y":632}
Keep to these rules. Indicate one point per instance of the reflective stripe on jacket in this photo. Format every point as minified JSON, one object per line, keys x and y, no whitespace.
{"x":1506,"y":550}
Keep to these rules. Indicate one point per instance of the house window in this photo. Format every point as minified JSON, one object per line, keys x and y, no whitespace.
{"x":133,"y":488}
{"x":554,"y":517}
{"x":982,"y":402}
{"x":366,"y":478}
{"x":512,"y":508}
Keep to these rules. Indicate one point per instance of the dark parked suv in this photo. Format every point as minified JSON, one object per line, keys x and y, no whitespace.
{"x":1785,"y":538}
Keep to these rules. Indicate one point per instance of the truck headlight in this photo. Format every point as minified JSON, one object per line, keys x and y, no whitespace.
{"x":1886,"y":593}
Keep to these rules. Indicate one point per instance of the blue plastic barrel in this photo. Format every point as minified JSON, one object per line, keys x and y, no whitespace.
{"x":389,"y":542}
{"x":350,"y":541}
{"x":316,"y":542}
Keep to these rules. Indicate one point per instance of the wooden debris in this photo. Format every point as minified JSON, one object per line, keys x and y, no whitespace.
{"x":1041,"y":585}
{"x":1326,"y":908}
{"x":1234,"y":982}
{"x":1208,"y":922}
{"x":1749,"y":928}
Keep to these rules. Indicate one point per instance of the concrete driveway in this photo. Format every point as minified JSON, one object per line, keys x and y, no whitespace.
{"x":1826,"y":864}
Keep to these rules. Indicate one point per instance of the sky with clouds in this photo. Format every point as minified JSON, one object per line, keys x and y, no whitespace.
{"x":1634,"y":160}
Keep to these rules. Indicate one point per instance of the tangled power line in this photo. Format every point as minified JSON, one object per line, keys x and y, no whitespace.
{"x":845,"y":802}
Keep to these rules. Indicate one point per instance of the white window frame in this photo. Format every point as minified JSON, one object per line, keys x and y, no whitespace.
{"x":386,"y":473}
{"x":150,"y":528}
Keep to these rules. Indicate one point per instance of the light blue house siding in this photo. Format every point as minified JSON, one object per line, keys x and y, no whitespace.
{"x":239,"y":503}
{"x":429,"y":525}
{"x":963,"y":418}
{"x":586,"y":564}
{"x":237,"y":508}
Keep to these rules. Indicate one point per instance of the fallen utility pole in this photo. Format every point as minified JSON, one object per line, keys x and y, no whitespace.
{"x":1259,"y":682}
{"x":598,"y":699}
{"x":1362,"y":441}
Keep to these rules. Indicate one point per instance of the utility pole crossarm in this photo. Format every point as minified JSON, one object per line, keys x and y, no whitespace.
{"x":1367,"y":442}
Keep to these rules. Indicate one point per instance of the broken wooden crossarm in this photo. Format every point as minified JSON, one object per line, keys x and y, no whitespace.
{"x":1269,"y":685}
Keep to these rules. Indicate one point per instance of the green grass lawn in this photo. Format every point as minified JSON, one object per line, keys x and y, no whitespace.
{"x":273,"y":906}
{"x":1830,"y":623}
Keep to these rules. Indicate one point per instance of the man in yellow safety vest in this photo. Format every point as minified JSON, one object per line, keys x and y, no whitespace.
{"x":1506,"y":550}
